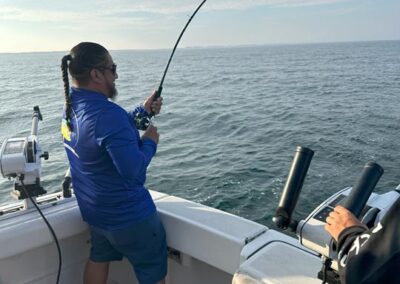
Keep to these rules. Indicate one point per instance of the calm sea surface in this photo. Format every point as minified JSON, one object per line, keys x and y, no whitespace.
{"x":232,"y":118}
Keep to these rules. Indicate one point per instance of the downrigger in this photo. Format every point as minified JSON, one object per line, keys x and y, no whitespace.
{"x":20,"y":159}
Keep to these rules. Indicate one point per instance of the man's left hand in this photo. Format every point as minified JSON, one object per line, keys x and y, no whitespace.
{"x":151,"y":105}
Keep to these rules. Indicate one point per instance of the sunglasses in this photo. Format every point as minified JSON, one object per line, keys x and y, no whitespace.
{"x":113,"y":68}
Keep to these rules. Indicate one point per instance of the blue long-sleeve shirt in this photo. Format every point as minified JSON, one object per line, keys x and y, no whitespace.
{"x":108,"y":161}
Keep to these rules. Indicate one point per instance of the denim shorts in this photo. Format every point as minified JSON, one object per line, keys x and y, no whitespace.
{"x":143,"y":244}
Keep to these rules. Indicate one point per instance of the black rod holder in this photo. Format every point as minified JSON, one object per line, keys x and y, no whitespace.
{"x":291,"y":191}
{"x":362,"y":190}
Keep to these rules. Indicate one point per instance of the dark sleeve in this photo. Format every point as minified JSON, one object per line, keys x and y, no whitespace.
{"x":347,"y":237}
{"x":371,"y":256}
{"x":130,"y":155}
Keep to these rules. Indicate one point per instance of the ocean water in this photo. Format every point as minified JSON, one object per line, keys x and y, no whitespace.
{"x":232,"y":118}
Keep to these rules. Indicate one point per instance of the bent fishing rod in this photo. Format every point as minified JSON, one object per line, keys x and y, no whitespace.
{"x":141,"y":121}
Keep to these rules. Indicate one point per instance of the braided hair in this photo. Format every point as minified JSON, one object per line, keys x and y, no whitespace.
{"x":79,"y":62}
{"x":68,"y":104}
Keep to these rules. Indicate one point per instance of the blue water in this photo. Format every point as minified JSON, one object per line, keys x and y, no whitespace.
{"x":232,"y":118}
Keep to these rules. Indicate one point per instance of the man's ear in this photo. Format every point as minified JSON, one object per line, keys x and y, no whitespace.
{"x":96,"y":76}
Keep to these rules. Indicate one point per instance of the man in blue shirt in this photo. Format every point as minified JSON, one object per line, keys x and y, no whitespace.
{"x":108,"y":161}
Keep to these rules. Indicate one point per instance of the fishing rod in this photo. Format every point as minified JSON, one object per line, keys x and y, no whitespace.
{"x":141,"y":121}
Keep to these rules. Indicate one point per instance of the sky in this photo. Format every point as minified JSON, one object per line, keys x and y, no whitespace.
{"x":51,"y":25}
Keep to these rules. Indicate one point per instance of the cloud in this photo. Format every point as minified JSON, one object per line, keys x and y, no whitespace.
{"x":184,"y":6}
{"x":76,"y":11}
{"x":30,"y":15}
{"x":120,"y":15}
{"x":72,"y":18}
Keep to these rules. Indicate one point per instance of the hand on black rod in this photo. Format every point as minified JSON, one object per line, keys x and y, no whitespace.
{"x":151,"y":105}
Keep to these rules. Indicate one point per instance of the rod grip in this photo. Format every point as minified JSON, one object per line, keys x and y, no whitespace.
{"x":158,"y":94}
{"x":159,"y":91}
{"x":362,"y":190}
{"x":294,"y":183}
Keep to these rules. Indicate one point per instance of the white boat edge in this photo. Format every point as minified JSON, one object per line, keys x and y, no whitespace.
{"x":206,"y":246}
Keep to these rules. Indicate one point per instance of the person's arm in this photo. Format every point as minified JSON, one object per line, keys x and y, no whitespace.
{"x":130,"y":154}
{"x":370,"y":255}
{"x":344,"y":228}
{"x":345,"y":243}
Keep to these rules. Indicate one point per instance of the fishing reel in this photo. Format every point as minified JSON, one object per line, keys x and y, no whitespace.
{"x":359,"y":200}
{"x":142,"y":121}
{"x":20,"y":158}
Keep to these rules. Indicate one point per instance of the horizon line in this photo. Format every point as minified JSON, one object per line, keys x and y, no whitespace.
{"x":214,"y":46}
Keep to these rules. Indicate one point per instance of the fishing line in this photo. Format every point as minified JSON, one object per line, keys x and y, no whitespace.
{"x":142,"y":122}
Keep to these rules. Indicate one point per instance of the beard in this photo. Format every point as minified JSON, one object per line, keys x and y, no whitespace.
{"x":112,"y":91}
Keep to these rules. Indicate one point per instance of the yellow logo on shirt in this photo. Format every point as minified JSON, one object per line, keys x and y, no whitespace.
{"x":66,"y":133}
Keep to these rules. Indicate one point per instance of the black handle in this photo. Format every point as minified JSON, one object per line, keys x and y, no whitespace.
{"x":362,"y":190}
{"x":294,"y":183}
{"x":158,"y":94}
{"x":36,"y":112}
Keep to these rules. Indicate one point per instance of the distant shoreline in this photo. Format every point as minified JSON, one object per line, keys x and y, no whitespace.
{"x":218,"y":46}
